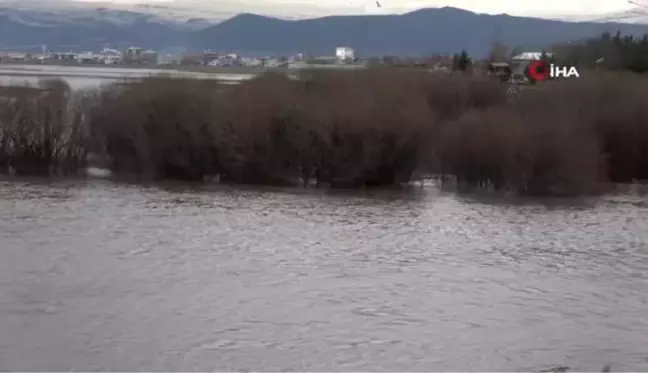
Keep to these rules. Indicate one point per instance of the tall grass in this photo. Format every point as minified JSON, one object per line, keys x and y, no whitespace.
{"x":370,"y":128}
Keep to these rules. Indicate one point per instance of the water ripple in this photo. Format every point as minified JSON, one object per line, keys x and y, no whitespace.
{"x":103,"y":276}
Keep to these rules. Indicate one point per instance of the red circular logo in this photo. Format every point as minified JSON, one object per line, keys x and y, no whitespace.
{"x":539,"y":70}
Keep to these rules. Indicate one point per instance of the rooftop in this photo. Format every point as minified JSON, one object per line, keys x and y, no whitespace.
{"x":531,"y":56}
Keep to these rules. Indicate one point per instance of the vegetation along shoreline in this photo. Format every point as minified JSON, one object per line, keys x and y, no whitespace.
{"x":341,"y":129}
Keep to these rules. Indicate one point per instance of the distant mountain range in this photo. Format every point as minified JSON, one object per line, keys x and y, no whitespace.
{"x":27,"y":26}
{"x":443,"y":30}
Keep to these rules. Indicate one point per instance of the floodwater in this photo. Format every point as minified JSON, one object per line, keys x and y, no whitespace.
{"x":80,"y":77}
{"x":96,"y":275}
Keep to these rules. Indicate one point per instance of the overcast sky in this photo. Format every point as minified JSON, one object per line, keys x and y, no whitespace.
{"x":325,"y":7}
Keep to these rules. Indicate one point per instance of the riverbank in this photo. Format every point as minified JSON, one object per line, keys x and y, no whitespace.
{"x":124,"y":72}
{"x":363,"y":129}
{"x":205,"y":72}
{"x":237,"y":70}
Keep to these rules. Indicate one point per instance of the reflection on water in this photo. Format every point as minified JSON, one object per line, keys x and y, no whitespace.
{"x":102,"y":276}
{"x":76,"y":83}
{"x":80,"y":77}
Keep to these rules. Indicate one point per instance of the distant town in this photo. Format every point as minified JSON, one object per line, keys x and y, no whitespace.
{"x":341,"y":57}
{"x":141,"y":56}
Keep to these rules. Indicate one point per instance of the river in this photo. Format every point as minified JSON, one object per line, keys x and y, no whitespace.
{"x":80,"y":77}
{"x":96,"y":275}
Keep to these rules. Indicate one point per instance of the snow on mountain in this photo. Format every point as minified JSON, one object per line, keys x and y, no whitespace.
{"x":193,"y":24}
{"x":193,"y":14}
{"x":48,"y":13}
{"x":636,"y":16}
{"x":76,"y":26}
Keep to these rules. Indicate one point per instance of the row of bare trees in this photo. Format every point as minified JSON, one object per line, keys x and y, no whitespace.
{"x":370,"y":128}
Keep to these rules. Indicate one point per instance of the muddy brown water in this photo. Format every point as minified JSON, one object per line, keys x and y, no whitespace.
{"x":96,"y":275}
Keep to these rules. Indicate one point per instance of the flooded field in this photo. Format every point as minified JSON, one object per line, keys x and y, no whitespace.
{"x":96,"y":275}
{"x":80,"y":77}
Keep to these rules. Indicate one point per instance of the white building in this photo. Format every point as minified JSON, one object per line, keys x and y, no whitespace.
{"x":14,"y":56}
{"x":344,"y":53}
{"x":65,"y":56}
{"x":133,"y":55}
{"x":111,"y":56}
{"x":86,"y":57}
{"x":520,"y":62}
{"x":252,"y":62}
{"x":530,"y":56}
{"x":271,"y":62}
{"x":224,"y":61}
{"x":149,"y":57}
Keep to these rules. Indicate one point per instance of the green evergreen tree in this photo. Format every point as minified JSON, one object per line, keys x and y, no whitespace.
{"x":605,"y":36}
{"x":464,"y":62}
{"x":618,"y":52}
{"x":617,"y":37}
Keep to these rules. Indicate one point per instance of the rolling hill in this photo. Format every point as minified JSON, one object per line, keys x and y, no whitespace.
{"x":443,"y":30}
{"x":425,"y":31}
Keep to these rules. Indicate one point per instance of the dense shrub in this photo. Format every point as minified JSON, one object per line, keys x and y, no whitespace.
{"x":508,"y":149}
{"x":158,"y":128}
{"x":615,"y":107}
{"x":348,"y":129}
{"x":41,"y":131}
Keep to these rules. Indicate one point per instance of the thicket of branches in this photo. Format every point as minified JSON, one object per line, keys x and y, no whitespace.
{"x":372,"y":128}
